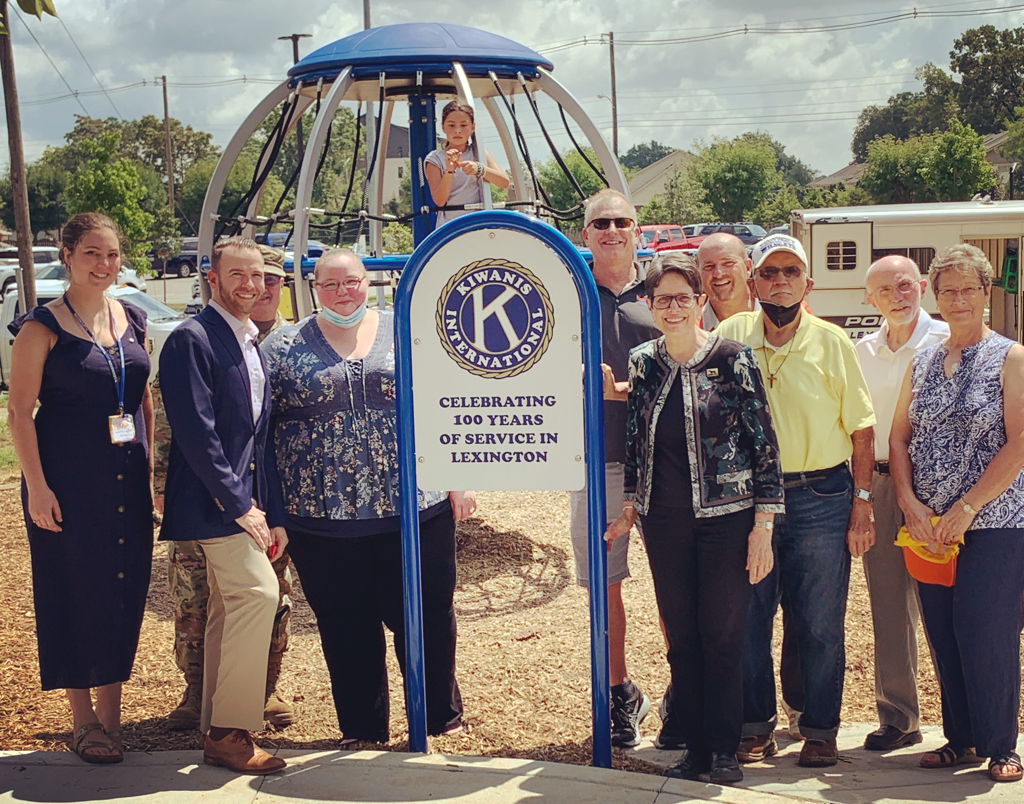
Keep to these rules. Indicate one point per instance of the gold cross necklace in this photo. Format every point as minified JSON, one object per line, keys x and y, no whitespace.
{"x":767,"y":360}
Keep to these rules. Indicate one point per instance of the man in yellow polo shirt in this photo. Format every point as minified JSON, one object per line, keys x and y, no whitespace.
{"x":822,"y":413}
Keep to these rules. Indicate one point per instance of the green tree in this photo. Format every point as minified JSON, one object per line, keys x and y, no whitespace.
{"x":955,"y":166}
{"x":45,"y":196}
{"x":645,"y":153}
{"x":108,"y":184}
{"x":556,"y":184}
{"x":895,"y":120}
{"x":991,"y":67}
{"x":684,"y":198}
{"x":792,"y":170}
{"x":197,"y":179}
{"x":893,"y":172}
{"x":736,"y":175}
{"x":654,"y":211}
{"x":397,"y":238}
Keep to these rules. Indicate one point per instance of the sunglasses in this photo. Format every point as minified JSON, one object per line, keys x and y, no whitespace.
{"x":790,"y":272}
{"x":620,"y":223}
{"x":272,"y":281}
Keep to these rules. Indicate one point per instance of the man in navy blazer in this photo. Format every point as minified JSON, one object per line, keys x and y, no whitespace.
{"x":222,"y":491}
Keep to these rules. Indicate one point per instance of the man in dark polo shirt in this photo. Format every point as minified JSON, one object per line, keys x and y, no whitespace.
{"x":610,"y":232}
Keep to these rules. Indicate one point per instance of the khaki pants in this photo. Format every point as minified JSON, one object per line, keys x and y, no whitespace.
{"x":240,"y":616}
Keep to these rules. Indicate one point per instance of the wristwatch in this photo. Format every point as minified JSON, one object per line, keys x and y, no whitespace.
{"x":864,"y":494}
{"x":768,"y":526}
{"x":968,"y":508}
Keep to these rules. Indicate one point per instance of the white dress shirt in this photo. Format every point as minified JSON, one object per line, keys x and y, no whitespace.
{"x":245,"y":333}
{"x":885,"y":369}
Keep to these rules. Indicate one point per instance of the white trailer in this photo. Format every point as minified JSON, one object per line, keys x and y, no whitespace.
{"x":843,"y":241}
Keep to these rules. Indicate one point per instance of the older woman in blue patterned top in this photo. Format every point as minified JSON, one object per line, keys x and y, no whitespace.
{"x":333,"y":388}
{"x":956,"y":450}
{"x":703,"y":473}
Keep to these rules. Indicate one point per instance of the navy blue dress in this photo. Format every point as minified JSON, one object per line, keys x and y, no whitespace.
{"x":90,"y":580}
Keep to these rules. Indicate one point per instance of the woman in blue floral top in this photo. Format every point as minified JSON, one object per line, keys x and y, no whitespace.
{"x":703,"y":473}
{"x":956,"y":452}
{"x":332,"y":378}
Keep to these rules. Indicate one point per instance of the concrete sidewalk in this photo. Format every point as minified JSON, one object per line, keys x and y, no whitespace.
{"x":378,"y":776}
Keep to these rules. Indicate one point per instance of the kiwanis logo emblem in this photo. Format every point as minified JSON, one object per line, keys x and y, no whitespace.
{"x":495,"y":319}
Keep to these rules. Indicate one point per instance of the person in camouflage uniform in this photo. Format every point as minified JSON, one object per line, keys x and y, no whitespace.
{"x":186,"y":575}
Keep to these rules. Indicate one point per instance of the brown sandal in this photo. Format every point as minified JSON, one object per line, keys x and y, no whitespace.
{"x":86,"y":749}
{"x":948,"y":756}
{"x":117,"y":738}
{"x":1010,"y":761}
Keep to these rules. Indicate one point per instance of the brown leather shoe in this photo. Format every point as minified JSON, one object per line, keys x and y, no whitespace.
{"x":239,"y":753}
{"x":818,"y":754}
{"x":755,"y":749}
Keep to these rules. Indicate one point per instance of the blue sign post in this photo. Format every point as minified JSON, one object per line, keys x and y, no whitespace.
{"x":514,"y":237}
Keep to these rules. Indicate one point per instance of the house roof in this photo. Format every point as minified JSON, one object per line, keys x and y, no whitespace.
{"x":651,"y":180}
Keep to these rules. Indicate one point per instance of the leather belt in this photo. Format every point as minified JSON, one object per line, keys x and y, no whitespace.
{"x":882,"y":467}
{"x":795,"y":480}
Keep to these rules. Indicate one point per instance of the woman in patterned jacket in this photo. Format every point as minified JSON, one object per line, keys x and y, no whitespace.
{"x":703,"y":473}
{"x":956,"y":452}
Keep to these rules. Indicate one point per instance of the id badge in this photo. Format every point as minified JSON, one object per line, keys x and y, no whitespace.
{"x":122,"y":429}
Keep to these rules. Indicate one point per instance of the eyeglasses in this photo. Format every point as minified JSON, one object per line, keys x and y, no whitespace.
{"x":771,"y":273}
{"x":683,"y":300}
{"x":967,"y":294}
{"x":904,"y":289}
{"x":272,"y":280}
{"x":349,"y":285}
{"x":620,"y":223}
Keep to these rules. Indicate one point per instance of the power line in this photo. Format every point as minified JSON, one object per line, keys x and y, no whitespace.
{"x":144,"y":83}
{"x":47,"y":55}
{"x":91,"y":70}
{"x":769,"y":28}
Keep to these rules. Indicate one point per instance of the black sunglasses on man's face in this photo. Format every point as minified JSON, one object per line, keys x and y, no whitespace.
{"x":604,"y":223}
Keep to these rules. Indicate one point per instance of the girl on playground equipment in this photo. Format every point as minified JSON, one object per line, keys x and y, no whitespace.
{"x":454,"y":175}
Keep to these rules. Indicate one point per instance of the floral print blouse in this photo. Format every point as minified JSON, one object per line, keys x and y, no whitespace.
{"x":334,"y":425}
{"x":958,"y":427}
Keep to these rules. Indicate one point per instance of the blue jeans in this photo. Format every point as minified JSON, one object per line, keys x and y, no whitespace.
{"x":812,"y":568}
{"x":974,"y":627}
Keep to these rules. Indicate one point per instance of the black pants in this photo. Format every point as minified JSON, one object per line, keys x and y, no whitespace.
{"x":354,"y":587}
{"x":703,"y":592}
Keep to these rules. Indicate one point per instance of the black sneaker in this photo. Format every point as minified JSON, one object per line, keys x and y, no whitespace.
{"x":629,"y":707}
{"x":666,"y":739}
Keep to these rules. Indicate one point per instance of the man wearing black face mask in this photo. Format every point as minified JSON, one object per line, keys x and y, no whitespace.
{"x":824,"y":421}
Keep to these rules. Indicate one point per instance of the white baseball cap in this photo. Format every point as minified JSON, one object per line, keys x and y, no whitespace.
{"x":778,"y":242}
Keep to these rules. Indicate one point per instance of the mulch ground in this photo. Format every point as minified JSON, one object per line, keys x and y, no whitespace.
{"x":523,"y":655}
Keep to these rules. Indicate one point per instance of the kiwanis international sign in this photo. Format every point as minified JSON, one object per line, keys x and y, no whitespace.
{"x":497,"y":361}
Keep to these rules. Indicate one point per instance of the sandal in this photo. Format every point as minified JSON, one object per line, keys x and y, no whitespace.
{"x":948,"y":756}
{"x":1012,"y":770}
{"x":117,"y":738}
{"x":86,"y":749}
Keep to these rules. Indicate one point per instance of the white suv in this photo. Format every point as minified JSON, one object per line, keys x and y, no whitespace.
{"x":41,"y":255}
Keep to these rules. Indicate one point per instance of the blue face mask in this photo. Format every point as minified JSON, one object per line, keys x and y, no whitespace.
{"x":345,"y":321}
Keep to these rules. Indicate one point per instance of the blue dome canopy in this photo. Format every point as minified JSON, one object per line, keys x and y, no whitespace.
{"x":419,"y":45}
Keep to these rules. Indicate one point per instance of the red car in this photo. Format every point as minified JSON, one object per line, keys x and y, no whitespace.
{"x":663,"y":236}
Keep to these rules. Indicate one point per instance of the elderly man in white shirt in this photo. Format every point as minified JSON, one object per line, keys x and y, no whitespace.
{"x":894,"y":287}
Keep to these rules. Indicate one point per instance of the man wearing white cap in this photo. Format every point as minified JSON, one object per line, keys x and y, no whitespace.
{"x":894,"y":287}
{"x":823,"y":418}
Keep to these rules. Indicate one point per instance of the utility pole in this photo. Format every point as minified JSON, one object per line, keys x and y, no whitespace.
{"x":25,"y":274}
{"x":299,"y":142}
{"x":615,"y":101}
{"x":366,"y":14}
{"x":168,"y":158}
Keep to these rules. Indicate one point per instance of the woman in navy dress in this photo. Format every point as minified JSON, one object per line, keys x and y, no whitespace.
{"x":86,"y":481}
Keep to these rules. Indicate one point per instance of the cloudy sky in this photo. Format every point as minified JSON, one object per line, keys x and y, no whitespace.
{"x":795,"y":74}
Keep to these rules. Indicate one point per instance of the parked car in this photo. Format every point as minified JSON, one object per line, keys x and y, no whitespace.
{"x":784,"y":229}
{"x":664,"y":237}
{"x":41,"y":255}
{"x":749,"y":233}
{"x":186,"y":262}
{"x":160,"y":319}
{"x":692,"y":229}
{"x":126,"y":276}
